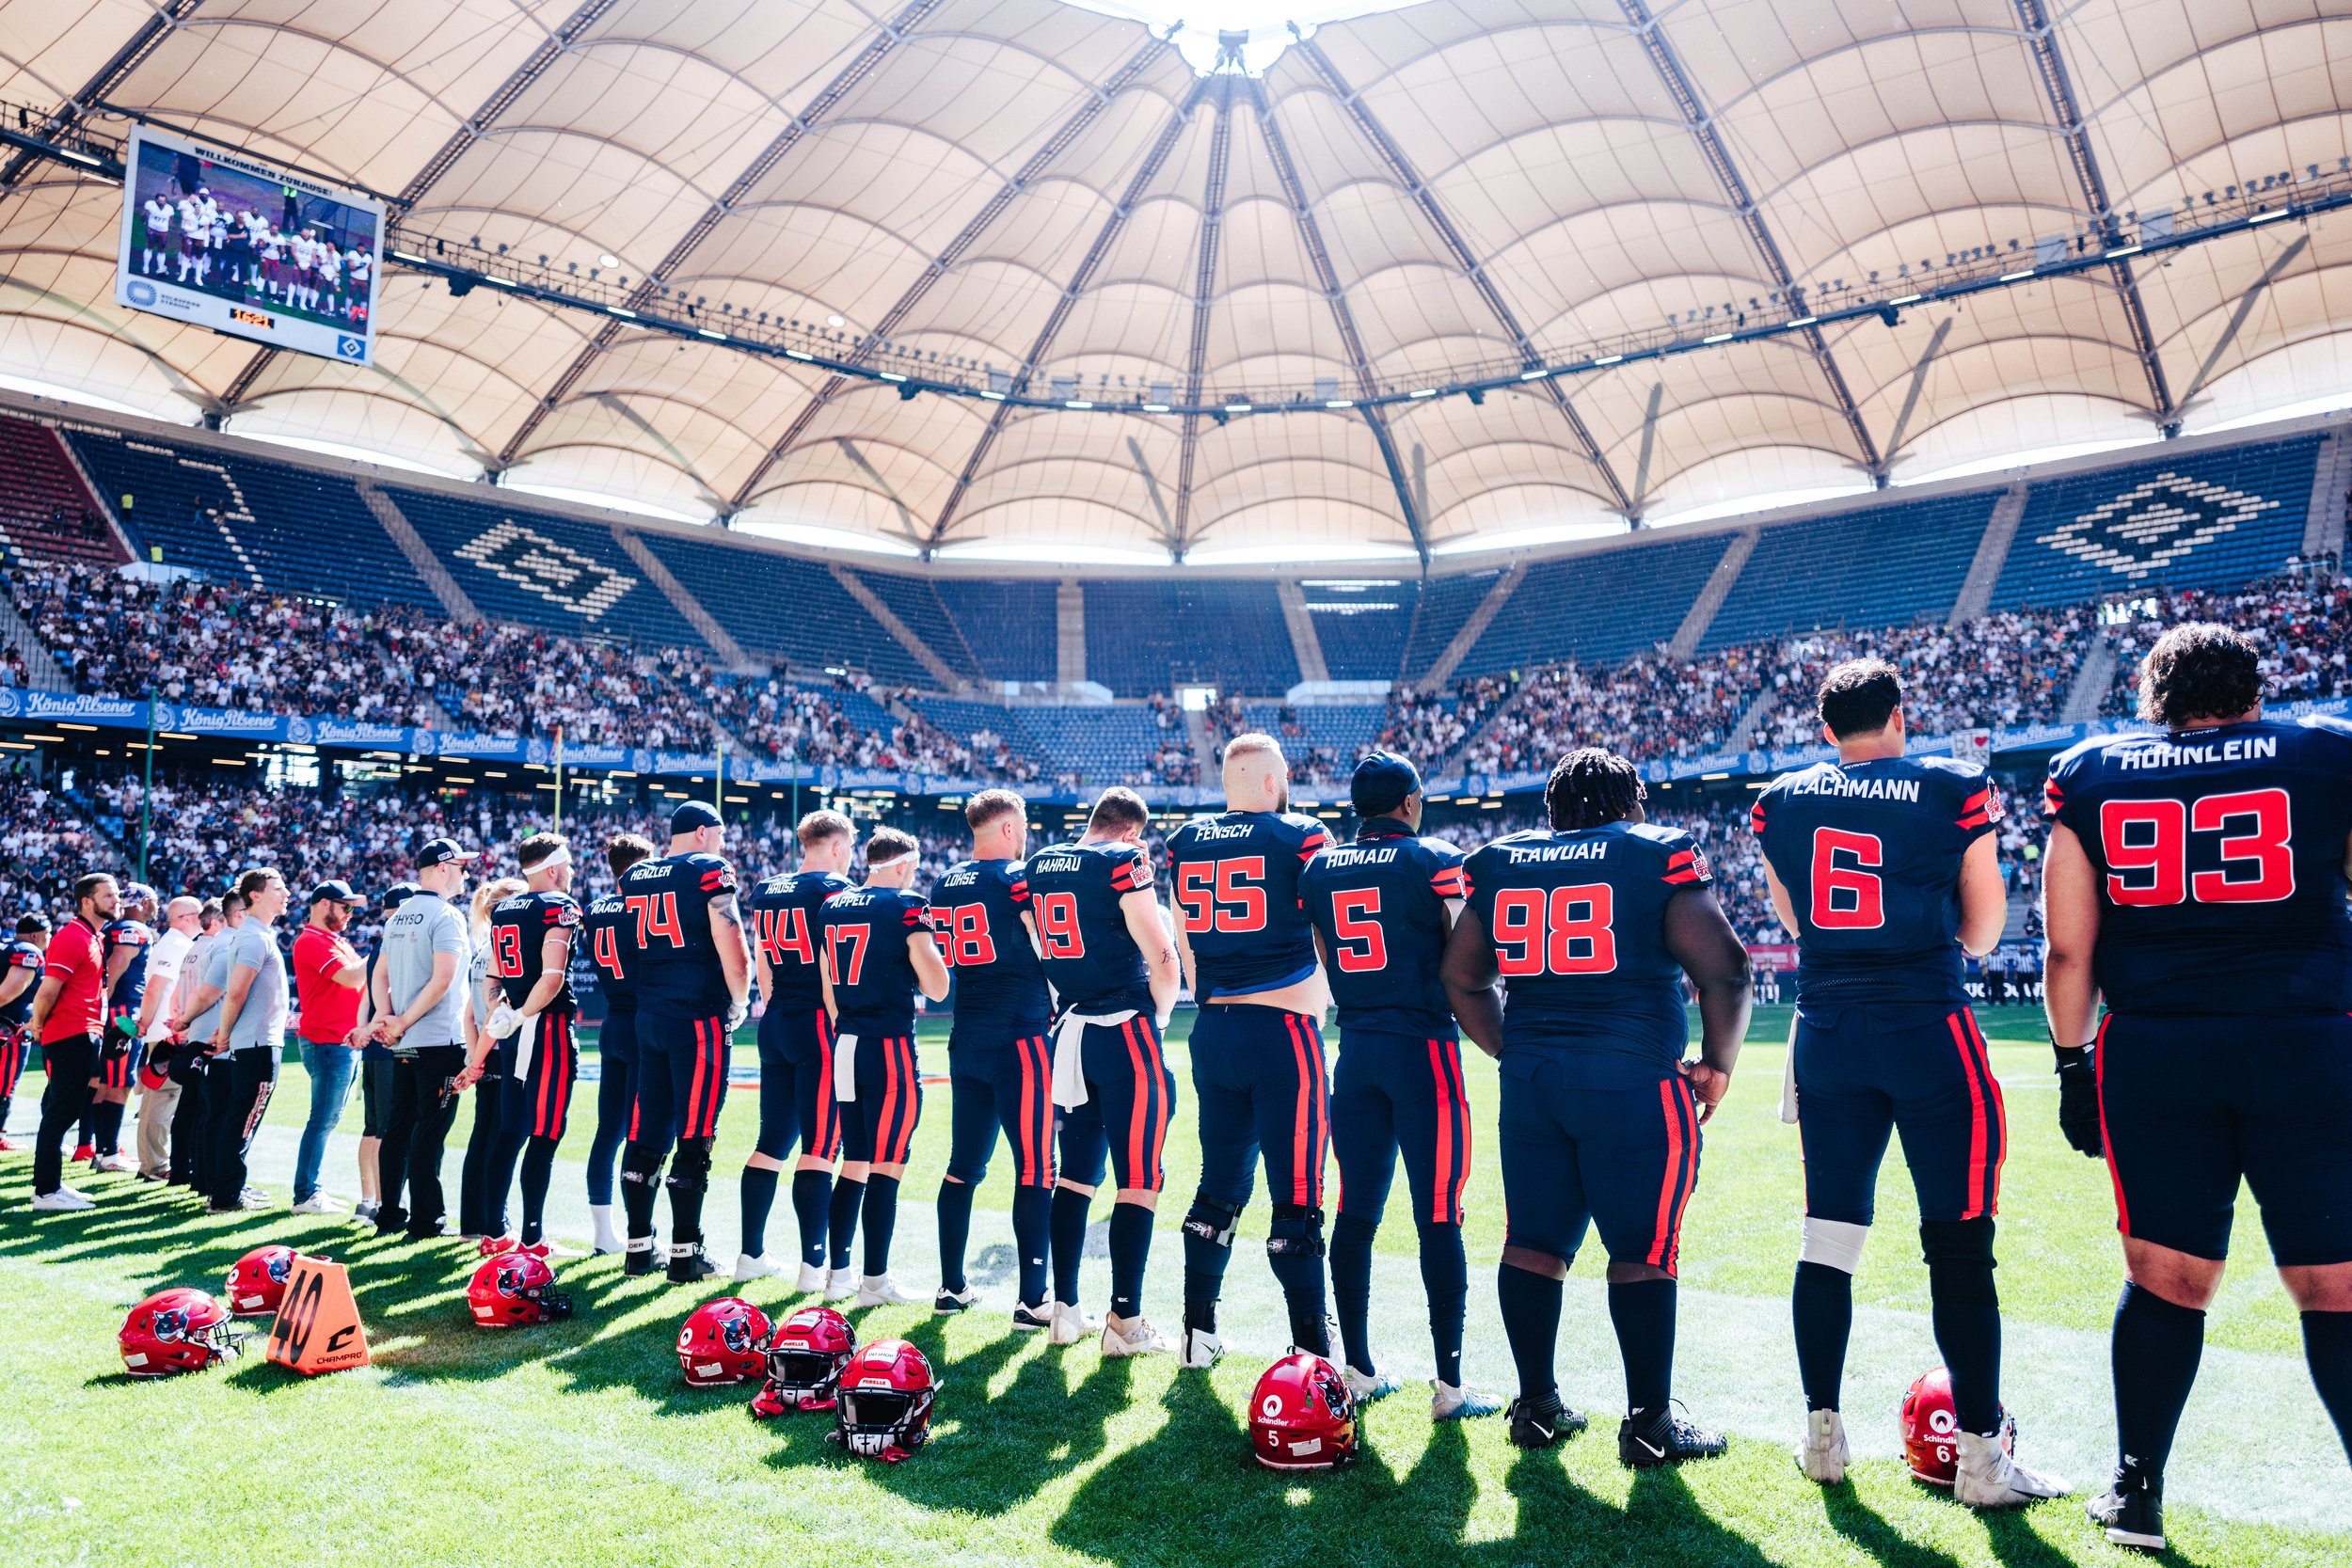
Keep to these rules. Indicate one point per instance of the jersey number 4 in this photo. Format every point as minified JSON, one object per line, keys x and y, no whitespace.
{"x":965,"y":926}
{"x":1222,"y":896}
{"x":1565,"y":932}
{"x":784,"y":933}
{"x":2146,"y":845}
{"x":607,"y":950}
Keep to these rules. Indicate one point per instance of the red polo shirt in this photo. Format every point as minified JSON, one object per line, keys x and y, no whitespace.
{"x":72,"y":956}
{"x":330,"y":1011}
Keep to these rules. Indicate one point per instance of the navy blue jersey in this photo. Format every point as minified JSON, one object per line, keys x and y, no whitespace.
{"x":17,"y":955}
{"x":610,"y":936}
{"x":519,"y":935}
{"x":141,"y":939}
{"x":1870,"y":853}
{"x":668,"y":901}
{"x":1578,"y":921}
{"x":782,"y":911}
{"x":1379,"y":905}
{"x":865,"y":932}
{"x":980,"y":934}
{"x":2221,"y":862}
{"x":1235,"y":882}
{"x":1073,"y":892}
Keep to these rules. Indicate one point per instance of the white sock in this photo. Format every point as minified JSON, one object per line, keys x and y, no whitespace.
{"x":607,"y":1239}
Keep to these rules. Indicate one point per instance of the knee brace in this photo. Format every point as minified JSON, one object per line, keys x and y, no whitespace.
{"x":640,"y":1163}
{"x":690,"y":1170}
{"x":1296,"y":1231}
{"x":1212,"y":1220}
{"x":1958,"y":1255}
{"x":1834,"y":1243}
{"x":970,"y":1172}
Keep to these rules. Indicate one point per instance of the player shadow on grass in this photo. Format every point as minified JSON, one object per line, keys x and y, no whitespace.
{"x":2013,"y":1540}
{"x":997,"y":1451}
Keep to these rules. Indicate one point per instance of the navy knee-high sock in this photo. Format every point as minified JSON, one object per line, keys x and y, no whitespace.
{"x":812,"y":1195}
{"x":1068,"y":1228}
{"x":1351,"y":1286}
{"x":1130,"y":1248}
{"x":1032,"y":1209}
{"x":955,"y":1231}
{"x":2156,"y":1347}
{"x":1823,"y":1305}
{"x":760,"y":1196}
{"x":1642,"y":1312}
{"x":847,"y":1197}
{"x":2328,"y":1345}
{"x":1445,"y":1276}
{"x":1531,"y":1319}
{"x":106,"y":1127}
{"x":882,"y":1218}
{"x":538,"y":1174}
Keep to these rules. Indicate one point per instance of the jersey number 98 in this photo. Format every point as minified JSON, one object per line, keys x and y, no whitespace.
{"x":1566,"y":932}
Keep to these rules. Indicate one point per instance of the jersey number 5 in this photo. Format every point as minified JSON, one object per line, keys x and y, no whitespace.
{"x":1847,"y":898}
{"x":1058,"y":926}
{"x":1564,"y":933}
{"x":1355,"y":920}
{"x":2146,"y":844}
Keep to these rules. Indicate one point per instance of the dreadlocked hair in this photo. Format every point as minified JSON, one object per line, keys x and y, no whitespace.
{"x":1591,"y":788}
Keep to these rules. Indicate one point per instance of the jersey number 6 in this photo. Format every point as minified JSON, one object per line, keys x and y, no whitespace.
{"x":1846,"y":898}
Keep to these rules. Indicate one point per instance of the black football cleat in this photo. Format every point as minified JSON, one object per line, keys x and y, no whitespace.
{"x":2132,"y":1513}
{"x":1661,"y":1438}
{"x":1540,"y":1424}
{"x":690,"y":1266}
{"x":638,"y":1259}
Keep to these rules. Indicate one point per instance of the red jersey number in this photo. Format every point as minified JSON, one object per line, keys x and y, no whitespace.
{"x":608,"y":951}
{"x":965,"y":926}
{"x":1058,"y":926}
{"x":1355,"y":920}
{"x":855,"y":938}
{"x":1845,"y":895}
{"x":657,"y":916}
{"x":506,"y":952}
{"x":2146,"y":845}
{"x":784,"y":934}
{"x":1222,"y":896}
{"x":1564,"y":932}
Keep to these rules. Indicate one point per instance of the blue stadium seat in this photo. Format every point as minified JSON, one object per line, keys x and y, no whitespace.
{"x":1883,"y":566}
{"x":916,"y":603}
{"x":781,"y":607}
{"x":1361,"y":625}
{"x":286,"y":528}
{"x":1146,"y":635}
{"x":1346,"y":730}
{"x":1596,"y":608}
{"x":1105,"y":743}
{"x":2207,"y":520}
{"x":1009,"y":626}
{"x":1442,"y":606}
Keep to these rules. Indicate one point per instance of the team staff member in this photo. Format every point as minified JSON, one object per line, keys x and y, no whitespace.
{"x":2196,"y":878}
{"x":1381,"y":907}
{"x":875,"y":951}
{"x":1592,"y":926}
{"x":329,"y":976}
{"x":126,"y":944}
{"x":159,"y":1091}
{"x":1107,"y":953}
{"x":796,"y":1101}
{"x":1884,"y":868}
{"x":486,"y":1172}
{"x":694,"y":971}
{"x":249,"y":1039}
{"x":421,"y":1013}
{"x":999,"y":1057}
{"x":531,"y":958}
{"x":375,"y":1069}
{"x":69,"y":1014}
{"x":20,"y":977}
{"x":1257,"y":1046}
{"x":192,"y":1000}
{"x":604,"y":926}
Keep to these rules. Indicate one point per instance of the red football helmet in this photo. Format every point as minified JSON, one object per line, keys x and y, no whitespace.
{"x":1301,"y":1416}
{"x":805,"y":1361}
{"x":179,"y":1330}
{"x":723,"y":1341}
{"x":516,"y":1288}
{"x":1932,"y":1428}
{"x":257,"y":1282}
{"x":884,"y":1409}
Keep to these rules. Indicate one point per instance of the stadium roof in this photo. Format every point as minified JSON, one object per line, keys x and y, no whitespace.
{"x":1094,"y":206}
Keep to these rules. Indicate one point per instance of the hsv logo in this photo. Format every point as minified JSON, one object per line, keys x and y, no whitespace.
{"x":2152,"y":524}
{"x":557,"y":573}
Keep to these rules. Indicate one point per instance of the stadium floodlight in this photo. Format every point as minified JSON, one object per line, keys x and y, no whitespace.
{"x":1907,"y":299}
{"x":616,"y":311}
{"x":993,"y":397}
{"x":1340,"y":402}
{"x":2122,"y":250}
{"x":2265,"y":217}
{"x":892,"y":375}
{"x":833,"y":321}
{"x":1149,"y":407}
{"x":1426,"y":392}
{"x":1237,"y":408}
{"x":714,"y":336}
{"x":796,"y":353}
{"x":2015,"y":276}
{"x":83,"y":158}
{"x":1804,"y":321}
{"x":1608,"y":358}
{"x":1717,"y":338}
{"x":1076,"y":402}
{"x":606,"y":258}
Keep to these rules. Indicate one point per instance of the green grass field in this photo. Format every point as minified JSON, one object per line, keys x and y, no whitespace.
{"x":577,"y":1443}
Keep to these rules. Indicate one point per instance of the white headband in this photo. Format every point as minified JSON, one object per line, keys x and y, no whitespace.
{"x":873,"y":864}
{"x":562,"y":856}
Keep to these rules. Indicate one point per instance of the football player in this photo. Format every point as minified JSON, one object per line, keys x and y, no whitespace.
{"x":1592,"y":926}
{"x":1381,"y":907}
{"x":2196,"y":879}
{"x":19,"y":975}
{"x":531,"y":958}
{"x":604,"y":927}
{"x":999,"y":1060}
{"x":796,"y":1101}
{"x":874,"y":952}
{"x":1884,"y":868}
{"x":1105,"y":950}
{"x":1257,"y":1046}
{"x":693,"y":970}
{"x":126,"y":942}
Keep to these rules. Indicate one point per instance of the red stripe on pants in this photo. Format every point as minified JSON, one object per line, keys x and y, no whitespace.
{"x":890,"y":1102}
{"x":716,"y":1077}
{"x":2115,"y":1172}
{"x":825,"y":1138}
{"x":1155,"y":1085}
{"x":1661,"y":1238}
{"x":1977,"y":1132}
{"x":1689,"y":1169}
{"x":694,"y":1088}
{"x":1443,"y":1186}
{"x":902,"y":1072}
{"x":1139,"y":1103}
{"x":2001,"y":1115}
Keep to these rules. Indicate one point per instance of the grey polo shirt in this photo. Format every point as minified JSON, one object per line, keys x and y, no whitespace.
{"x":419,"y":930}
{"x":262,"y":1020}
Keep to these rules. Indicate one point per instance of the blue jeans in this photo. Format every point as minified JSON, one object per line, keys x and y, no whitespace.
{"x":331,"y":1068}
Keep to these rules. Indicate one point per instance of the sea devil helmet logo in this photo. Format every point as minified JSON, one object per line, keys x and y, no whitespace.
{"x":2153,"y":524}
{"x":557,"y":573}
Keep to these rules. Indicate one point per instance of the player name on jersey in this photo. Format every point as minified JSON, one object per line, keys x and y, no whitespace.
{"x":1850,"y":787}
{"x":2196,"y":754}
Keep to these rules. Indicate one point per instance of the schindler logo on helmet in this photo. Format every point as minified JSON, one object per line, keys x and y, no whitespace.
{"x":2150,"y":525}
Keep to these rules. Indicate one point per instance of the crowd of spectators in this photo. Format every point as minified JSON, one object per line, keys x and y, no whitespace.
{"x":1431,"y":726}
{"x":2302,"y":619}
{"x":498,"y":679}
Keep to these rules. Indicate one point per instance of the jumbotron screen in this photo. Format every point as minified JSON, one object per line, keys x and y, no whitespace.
{"x":217,"y":239}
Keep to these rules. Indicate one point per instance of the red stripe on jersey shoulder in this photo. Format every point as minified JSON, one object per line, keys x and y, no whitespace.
{"x":1975,"y":819}
{"x":1448,"y":882}
{"x":2053,"y":797}
{"x":714,"y":878}
{"x":1755,"y":818}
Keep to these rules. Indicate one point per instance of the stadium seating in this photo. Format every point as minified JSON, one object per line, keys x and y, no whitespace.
{"x":1009,"y":626}
{"x":247,"y":520}
{"x":1096,"y":744}
{"x":1598,"y":606}
{"x":1363,"y":630}
{"x":916,"y":603}
{"x":46,"y":512}
{"x":781,"y":607}
{"x":1883,"y":566}
{"x":1439,"y":610}
{"x":1146,"y":635}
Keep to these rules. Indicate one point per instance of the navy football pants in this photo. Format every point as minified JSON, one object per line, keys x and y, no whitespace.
{"x":617,"y":1099}
{"x":1392,"y":1093}
{"x":796,"y":1083}
{"x":681,"y":1078}
{"x":1131,"y":1097}
{"x":1622,"y":1160}
{"x":879,"y":1125}
{"x":1258,"y":1073}
{"x":1001,"y":1077}
{"x":1866,"y":1071}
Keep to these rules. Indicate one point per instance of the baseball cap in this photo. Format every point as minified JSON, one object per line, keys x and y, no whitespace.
{"x":397,"y":895}
{"x":1382,"y":782}
{"x":138,"y":893}
{"x":691,"y":814}
{"x":334,"y":890}
{"x":441,"y":852}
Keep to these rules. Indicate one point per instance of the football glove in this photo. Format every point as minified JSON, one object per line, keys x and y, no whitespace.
{"x":503,"y":1021}
{"x":738,"y":1009}
{"x":2078,"y":1098}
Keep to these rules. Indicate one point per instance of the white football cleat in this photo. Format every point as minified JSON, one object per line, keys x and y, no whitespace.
{"x":1071,"y":1324}
{"x":1138,"y":1337}
{"x":948,"y":1302}
{"x":64,"y":1199}
{"x":841,"y":1285}
{"x":1823,"y":1454}
{"x":118,"y":1162}
{"x":1448,"y":1402}
{"x":811,"y":1280}
{"x":879,"y":1290}
{"x":605,"y":1240}
{"x":761,"y":1267}
{"x":1987,"y":1477}
{"x":318,"y":1203}
{"x":1201,"y":1348}
{"x":1365,"y":1387}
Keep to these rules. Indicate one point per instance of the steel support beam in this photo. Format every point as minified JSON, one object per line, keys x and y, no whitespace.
{"x":1204,"y":280}
{"x":160,"y":24}
{"x":479,"y":124}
